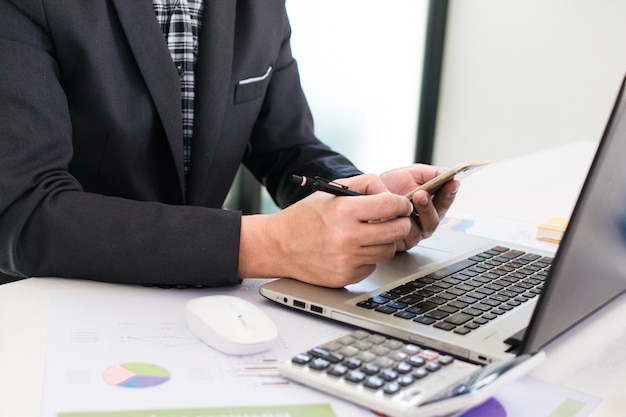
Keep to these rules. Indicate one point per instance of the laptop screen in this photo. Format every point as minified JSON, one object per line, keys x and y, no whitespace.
{"x":589,"y":269}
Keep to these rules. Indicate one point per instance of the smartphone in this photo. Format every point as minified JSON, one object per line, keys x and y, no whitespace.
{"x":458,"y":172}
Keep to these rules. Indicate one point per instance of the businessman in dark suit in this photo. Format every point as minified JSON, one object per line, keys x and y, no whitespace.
{"x":118,"y":147}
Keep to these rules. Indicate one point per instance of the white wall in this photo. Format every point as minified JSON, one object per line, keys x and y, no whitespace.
{"x":360,"y":63}
{"x":524,"y":75}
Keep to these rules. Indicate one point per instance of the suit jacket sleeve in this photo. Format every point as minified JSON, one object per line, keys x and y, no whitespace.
{"x":90,"y":175}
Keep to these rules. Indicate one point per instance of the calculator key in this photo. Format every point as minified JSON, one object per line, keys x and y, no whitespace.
{"x":338,"y":370}
{"x":302,"y":359}
{"x":416,"y":361}
{"x":374,"y":382}
{"x":319,"y":364}
{"x":392,"y":388}
{"x":446,"y":360}
{"x":355,"y":376}
{"x":433,"y":366}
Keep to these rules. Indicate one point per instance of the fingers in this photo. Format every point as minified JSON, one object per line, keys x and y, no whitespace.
{"x":403,"y":180}
{"x":378,"y":233}
{"x":339,"y":265}
{"x":427,"y":214}
{"x":365,"y":184}
{"x":381,"y":206}
{"x":445,"y":197}
{"x":429,"y":211}
{"x":346,"y":269}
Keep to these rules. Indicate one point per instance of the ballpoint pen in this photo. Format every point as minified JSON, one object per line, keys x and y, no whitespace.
{"x":321,"y":184}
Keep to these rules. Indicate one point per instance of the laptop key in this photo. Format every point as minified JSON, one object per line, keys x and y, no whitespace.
{"x":437,"y":314}
{"x":473,"y":312}
{"x":496,"y":250}
{"x":438,"y":300}
{"x":531,"y":257}
{"x":449,"y":309}
{"x":424,"y":320}
{"x":411,"y":299}
{"x":397,"y":305}
{"x":386,"y":309}
{"x":421,"y":308}
{"x":459,"y":318}
{"x":447,"y":296}
{"x":388,"y":295}
{"x":464,"y":288}
{"x":491,"y":302}
{"x":482,"y":307}
{"x":468,"y":300}
{"x":458,"y":304}
{"x":452,"y":269}
{"x":403,"y":290}
{"x":513,"y":253}
{"x":405,"y":315}
{"x":369,"y":304}
{"x":445,"y":326}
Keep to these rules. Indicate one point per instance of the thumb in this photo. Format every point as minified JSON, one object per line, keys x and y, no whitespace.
{"x":365,"y":184}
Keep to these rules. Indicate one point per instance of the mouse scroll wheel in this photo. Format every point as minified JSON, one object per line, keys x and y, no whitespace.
{"x":249,"y":324}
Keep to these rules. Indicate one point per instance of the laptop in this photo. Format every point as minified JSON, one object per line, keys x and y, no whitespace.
{"x":588,"y":271}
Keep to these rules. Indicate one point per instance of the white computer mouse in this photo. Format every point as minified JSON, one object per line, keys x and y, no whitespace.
{"x":230,"y":324}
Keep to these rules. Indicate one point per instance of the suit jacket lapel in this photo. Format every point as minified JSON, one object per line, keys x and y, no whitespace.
{"x":155,"y":63}
{"x":213,"y":78}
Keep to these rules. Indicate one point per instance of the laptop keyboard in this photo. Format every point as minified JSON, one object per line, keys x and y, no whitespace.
{"x":376,"y":371}
{"x":467,"y":294}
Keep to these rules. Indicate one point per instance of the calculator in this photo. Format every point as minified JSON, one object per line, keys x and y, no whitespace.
{"x":396,"y":377}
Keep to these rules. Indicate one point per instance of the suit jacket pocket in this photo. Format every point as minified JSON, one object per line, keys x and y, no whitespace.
{"x":251,"y":88}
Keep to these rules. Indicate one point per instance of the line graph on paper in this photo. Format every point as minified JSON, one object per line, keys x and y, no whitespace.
{"x":165,"y":334}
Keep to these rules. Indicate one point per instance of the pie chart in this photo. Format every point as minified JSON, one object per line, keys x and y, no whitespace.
{"x":136,"y":375}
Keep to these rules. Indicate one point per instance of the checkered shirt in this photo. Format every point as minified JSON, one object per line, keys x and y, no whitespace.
{"x":181,"y":21}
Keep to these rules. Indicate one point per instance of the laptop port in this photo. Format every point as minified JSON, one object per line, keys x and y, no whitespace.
{"x":317,"y":309}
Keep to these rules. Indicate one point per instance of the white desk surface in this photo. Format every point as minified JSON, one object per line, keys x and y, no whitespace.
{"x":531,"y":187}
{"x":590,"y":358}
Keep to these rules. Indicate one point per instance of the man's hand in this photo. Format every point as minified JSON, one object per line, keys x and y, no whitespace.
{"x":429,"y":210}
{"x":327,"y":240}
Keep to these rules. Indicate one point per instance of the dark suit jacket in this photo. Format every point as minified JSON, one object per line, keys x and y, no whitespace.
{"x":91,"y":171}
